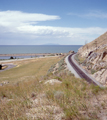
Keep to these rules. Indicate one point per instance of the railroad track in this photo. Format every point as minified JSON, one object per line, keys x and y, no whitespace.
{"x":79,"y":71}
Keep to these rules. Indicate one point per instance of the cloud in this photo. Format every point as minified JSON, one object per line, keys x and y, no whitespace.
{"x":44,"y":31}
{"x":91,"y":14}
{"x":16,"y":18}
{"x":60,"y":31}
{"x":17,"y":27}
{"x":30,"y":34}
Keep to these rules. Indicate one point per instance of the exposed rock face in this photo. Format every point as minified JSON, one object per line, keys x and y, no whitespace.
{"x":104,"y":54}
{"x":96,"y":58}
{"x":101,"y":76}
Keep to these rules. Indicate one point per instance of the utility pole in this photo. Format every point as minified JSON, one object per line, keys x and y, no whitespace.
{"x":86,"y":45}
{"x":95,"y":45}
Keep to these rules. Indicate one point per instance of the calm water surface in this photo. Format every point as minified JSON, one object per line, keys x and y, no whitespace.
{"x":18,"y":49}
{"x":23,"y":49}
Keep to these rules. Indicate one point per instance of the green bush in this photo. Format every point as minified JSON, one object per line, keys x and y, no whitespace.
{"x":93,"y":71}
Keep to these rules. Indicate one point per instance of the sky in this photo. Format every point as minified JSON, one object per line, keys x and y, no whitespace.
{"x":41,"y":22}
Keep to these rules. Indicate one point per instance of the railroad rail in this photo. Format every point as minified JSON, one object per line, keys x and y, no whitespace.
{"x":79,"y":71}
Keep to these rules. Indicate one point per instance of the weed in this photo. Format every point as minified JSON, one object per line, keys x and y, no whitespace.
{"x":50,"y":95}
{"x":72,"y":96}
{"x":58,"y":78}
{"x":79,"y":59}
{"x":93,"y":71}
{"x":71,"y":112}
{"x":95,"y":89}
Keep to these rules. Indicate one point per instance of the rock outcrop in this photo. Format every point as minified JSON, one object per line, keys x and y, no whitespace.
{"x":53,"y":81}
{"x":95,"y":54}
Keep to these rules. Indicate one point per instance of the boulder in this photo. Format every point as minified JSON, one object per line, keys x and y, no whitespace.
{"x":101,"y":76}
{"x":53,"y":81}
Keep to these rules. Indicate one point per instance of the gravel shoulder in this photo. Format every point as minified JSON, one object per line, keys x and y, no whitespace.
{"x":71,"y":68}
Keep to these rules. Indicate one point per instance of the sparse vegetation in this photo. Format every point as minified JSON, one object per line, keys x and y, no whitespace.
{"x":79,"y":59}
{"x":27,"y":97}
{"x":61,"y":65}
{"x":93,"y":71}
{"x":11,"y":57}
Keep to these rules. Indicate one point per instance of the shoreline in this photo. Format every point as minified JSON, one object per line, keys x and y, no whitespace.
{"x":25,"y":54}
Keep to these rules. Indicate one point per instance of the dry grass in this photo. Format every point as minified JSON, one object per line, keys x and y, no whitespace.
{"x":73,"y":99}
{"x":78,"y":99}
{"x":28,"y":69}
{"x":79,"y":59}
{"x":23,"y":79}
{"x":98,"y":45}
{"x":100,"y":40}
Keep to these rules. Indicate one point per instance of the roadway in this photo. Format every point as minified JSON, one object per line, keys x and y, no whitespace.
{"x":9,"y":66}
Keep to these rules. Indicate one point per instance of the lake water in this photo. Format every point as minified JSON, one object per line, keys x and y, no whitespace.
{"x":19,"y":57}
{"x":23,"y":49}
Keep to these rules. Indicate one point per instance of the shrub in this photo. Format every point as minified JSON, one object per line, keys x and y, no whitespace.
{"x":58,"y":78}
{"x":92,"y":71}
{"x":0,"y":67}
{"x":11,"y":57}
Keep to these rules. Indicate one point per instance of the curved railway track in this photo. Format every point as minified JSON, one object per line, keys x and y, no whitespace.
{"x":79,"y":71}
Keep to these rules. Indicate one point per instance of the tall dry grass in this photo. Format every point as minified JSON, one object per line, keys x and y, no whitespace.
{"x":74,"y":98}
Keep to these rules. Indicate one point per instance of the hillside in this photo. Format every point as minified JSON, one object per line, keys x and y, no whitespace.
{"x":44,"y":89}
{"x":99,"y":44}
{"x":93,"y":58}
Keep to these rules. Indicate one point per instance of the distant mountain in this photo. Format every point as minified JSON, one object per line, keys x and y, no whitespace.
{"x":51,"y":44}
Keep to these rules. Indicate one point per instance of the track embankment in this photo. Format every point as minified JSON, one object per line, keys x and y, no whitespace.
{"x":81,"y":72}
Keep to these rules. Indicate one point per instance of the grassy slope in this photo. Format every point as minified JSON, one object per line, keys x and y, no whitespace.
{"x":14,"y":97}
{"x":26,"y":70}
{"x":74,"y":97}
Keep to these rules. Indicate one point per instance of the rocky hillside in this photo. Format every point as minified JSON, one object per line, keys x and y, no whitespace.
{"x":95,"y":55}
